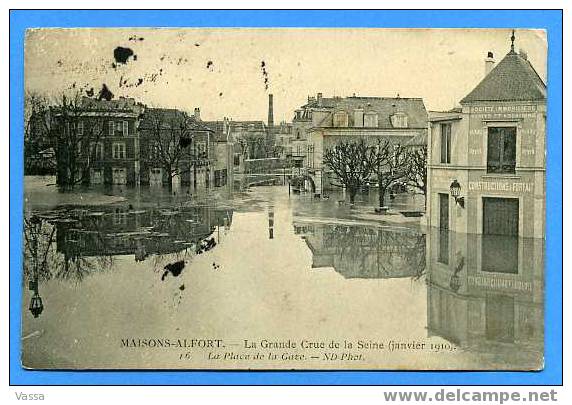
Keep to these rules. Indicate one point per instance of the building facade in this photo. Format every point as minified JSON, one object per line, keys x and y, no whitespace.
{"x":494,"y":147}
{"x":485,"y":211}
{"x":329,"y":121}
{"x":97,"y":141}
{"x":121,"y":142}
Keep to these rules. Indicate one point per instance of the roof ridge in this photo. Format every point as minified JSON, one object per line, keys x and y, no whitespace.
{"x":512,"y":79}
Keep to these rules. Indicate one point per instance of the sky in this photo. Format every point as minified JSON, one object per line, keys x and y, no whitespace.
{"x":230,"y":72}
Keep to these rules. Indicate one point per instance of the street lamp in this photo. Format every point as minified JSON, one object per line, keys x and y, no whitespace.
{"x":455,"y":190}
{"x":36,"y":305}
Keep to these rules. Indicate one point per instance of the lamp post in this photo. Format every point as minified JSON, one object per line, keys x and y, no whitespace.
{"x":36,"y":305}
{"x":455,"y":190}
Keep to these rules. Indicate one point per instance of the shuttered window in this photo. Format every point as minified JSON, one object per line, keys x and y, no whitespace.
{"x":501,"y":150}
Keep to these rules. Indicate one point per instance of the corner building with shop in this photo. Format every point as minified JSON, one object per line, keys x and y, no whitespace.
{"x":494,"y":147}
{"x":486,"y":210}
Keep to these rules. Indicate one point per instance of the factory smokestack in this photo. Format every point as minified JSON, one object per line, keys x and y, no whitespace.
{"x":270,"y":110}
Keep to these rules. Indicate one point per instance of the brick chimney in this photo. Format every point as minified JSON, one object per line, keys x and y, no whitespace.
{"x":319,"y":99}
{"x":489,"y":63}
{"x":270,"y":110}
{"x":197,"y":114}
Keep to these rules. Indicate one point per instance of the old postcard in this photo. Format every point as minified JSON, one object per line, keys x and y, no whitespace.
{"x":307,"y":199}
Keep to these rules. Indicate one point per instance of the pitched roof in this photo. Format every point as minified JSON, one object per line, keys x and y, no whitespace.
{"x":385,"y":107}
{"x":513,"y":79}
{"x":168,"y":117}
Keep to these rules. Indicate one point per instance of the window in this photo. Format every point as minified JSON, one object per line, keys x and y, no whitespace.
{"x":370,"y":120}
{"x":96,"y":150}
{"x":220,"y":178}
{"x":80,"y":128}
{"x":118,"y":150}
{"x":96,"y":128}
{"x":399,"y":120}
{"x":501,"y":150}
{"x":154,"y":151}
{"x":201,"y":149}
{"x":445,"y":143}
{"x":340,"y":119}
{"x":125,"y":128}
{"x":111,"y":126}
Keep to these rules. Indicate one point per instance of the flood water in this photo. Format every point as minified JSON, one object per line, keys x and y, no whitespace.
{"x":120,"y":272}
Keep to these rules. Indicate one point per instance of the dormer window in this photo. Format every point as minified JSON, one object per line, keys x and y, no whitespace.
{"x":340,"y":119}
{"x":370,"y":120}
{"x":399,"y":120}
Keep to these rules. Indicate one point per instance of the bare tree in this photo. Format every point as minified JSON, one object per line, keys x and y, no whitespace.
{"x":351,"y":163}
{"x":75,"y":133}
{"x":388,"y":163}
{"x":170,"y":136}
{"x":417,"y":169}
{"x":36,"y":133}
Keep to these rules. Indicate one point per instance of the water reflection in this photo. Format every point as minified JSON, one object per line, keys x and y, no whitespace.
{"x":487,"y":296}
{"x":484,"y":292}
{"x":267,"y":276}
{"x":357,"y":251}
{"x":71,"y":244}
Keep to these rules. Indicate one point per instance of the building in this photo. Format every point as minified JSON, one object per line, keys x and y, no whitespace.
{"x":121,"y":142}
{"x":182,"y":149}
{"x":97,"y":141}
{"x":324,"y":122}
{"x":491,"y":155}
{"x":486,"y":207}
{"x":284,"y":136}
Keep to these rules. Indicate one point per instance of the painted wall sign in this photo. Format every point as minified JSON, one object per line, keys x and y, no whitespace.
{"x":494,"y":283}
{"x":503,"y":108}
{"x":513,"y":187}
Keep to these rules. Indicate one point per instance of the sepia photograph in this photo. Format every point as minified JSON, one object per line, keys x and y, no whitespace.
{"x":284,"y":199}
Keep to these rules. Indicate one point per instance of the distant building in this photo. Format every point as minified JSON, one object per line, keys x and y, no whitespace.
{"x":324,"y":122}
{"x":251,"y":137}
{"x":283,"y":140}
{"x":177,"y":145}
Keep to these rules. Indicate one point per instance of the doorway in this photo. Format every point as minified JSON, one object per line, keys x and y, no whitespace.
{"x":443,"y":229}
{"x":500,"y":235}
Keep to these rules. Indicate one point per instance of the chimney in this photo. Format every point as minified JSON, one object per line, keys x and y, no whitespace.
{"x":489,"y":63}
{"x":319,"y":99}
{"x":197,"y":114}
{"x":270,"y":110}
{"x":523,"y":54}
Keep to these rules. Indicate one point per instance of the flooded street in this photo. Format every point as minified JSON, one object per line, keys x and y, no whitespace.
{"x":263,"y":272}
